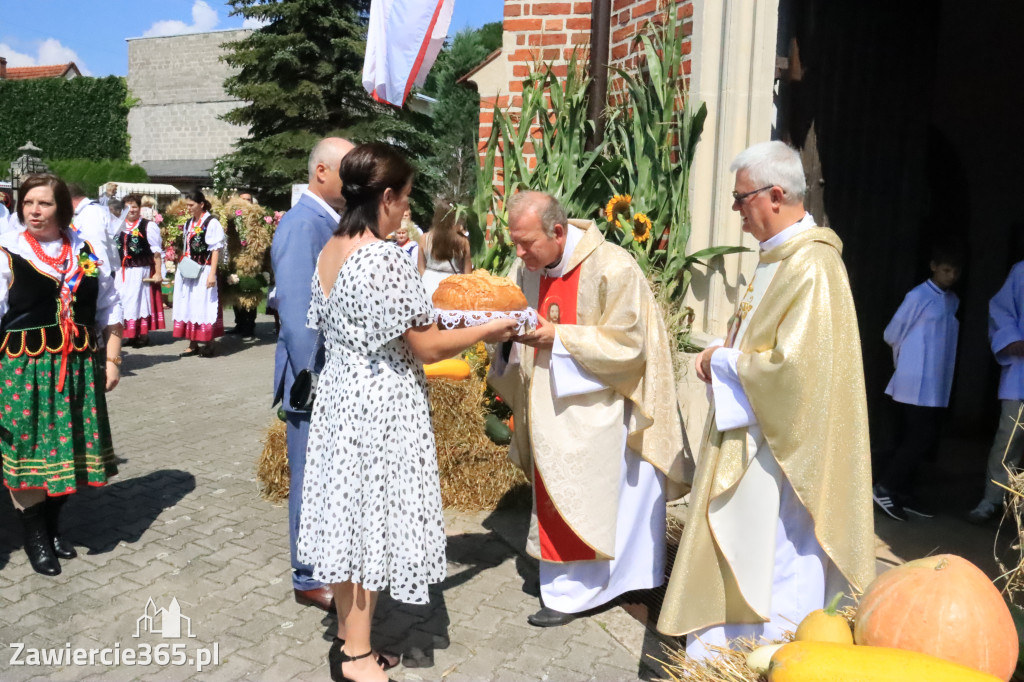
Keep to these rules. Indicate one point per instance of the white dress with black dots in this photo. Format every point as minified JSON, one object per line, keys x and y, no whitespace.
{"x":371,"y":499}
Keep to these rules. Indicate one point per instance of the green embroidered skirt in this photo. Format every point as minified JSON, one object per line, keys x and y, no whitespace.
{"x":54,"y":441}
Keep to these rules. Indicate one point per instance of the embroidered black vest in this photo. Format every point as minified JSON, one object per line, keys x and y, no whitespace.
{"x":197,"y":247}
{"x":134,"y":249}
{"x":32,"y":321}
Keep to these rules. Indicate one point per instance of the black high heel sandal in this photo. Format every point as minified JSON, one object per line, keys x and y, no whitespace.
{"x":336,"y":657}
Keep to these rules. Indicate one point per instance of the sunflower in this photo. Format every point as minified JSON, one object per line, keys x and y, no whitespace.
{"x":616,"y":205}
{"x":641,"y":228}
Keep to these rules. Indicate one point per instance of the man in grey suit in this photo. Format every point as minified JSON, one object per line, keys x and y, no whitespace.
{"x":300,"y":236}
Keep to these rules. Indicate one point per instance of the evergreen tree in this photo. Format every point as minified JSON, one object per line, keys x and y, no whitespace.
{"x":300,"y":78}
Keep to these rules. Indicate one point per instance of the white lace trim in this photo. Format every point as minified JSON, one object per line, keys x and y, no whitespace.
{"x":453,"y":319}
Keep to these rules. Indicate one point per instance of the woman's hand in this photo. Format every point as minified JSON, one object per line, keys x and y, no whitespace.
{"x":113,"y":375}
{"x":497,"y":331}
{"x":211,"y":279}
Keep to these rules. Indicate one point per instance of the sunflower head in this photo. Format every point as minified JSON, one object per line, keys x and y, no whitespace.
{"x":641,"y":228}
{"x":617,"y":204}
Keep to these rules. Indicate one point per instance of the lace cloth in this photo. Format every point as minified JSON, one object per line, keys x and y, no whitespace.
{"x":453,"y":319}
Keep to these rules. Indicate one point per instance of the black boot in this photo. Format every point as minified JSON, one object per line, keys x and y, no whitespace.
{"x":61,"y":547}
{"x":37,"y":541}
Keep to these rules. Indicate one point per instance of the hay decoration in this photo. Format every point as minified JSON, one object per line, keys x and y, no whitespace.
{"x":272,"y":466}
{"x":727,"y":665}
{"x":1012,"y":524}
{"x":475,"y":472}
{"x":250,"y":231}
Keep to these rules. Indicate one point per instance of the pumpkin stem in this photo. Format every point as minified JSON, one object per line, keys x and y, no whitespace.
{"x":834,"y":604}
{"x":942,"y":564}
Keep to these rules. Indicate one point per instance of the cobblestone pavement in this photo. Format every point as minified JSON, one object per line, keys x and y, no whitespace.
{"x":184,"y":521}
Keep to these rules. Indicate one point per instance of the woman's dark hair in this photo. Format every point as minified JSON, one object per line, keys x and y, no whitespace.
{"x":132,"y":198}
{"x":446,"y":240}
{"x":366,"y":173}
{"x":65,"y":209}
{"x":198,"y":197}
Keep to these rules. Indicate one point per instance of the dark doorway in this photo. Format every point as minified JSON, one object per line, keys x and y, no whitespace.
{"x":908,"y":116}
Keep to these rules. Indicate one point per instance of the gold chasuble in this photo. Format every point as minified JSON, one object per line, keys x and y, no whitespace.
{"x":571,"y":447}
{"x":802,"y":373}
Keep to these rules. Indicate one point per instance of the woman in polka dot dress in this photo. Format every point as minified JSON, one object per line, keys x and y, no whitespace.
{"x":371,"y":499}
{"x":54,"y":435}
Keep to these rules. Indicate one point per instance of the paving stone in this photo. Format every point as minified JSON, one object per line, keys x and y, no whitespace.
{"x":184,"y":520}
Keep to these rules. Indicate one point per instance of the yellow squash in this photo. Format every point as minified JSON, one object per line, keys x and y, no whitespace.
{"x":457,"y":370}
{"x":829,"y":662}
{"x":825,"y":625}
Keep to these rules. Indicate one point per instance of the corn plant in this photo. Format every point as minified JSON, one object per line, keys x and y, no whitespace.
{"x":655,"y":133}
{"x":553,"y":122}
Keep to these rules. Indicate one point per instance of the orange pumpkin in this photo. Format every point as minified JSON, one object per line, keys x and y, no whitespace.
{"x":944,"y":606}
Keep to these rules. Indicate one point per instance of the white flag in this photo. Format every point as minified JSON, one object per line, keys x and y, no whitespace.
{"x":404,"y":39}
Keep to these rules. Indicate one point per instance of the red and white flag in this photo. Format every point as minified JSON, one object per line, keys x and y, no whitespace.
{"x":404,"y":39}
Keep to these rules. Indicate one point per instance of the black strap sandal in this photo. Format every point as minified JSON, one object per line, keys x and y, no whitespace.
{"x":336,"y":657}
{"x":385,"y":661}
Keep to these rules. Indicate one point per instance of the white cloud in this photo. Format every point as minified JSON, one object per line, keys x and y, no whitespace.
{"x":204,"y":18}
{"x":254,"y":23}
{"x":50,"y":51}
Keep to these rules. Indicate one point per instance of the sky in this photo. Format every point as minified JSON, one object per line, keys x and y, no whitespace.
{"x":92,"y":33}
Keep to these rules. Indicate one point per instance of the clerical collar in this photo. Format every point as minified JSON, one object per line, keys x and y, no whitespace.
{"x":572,"y":240}
{"x":804,"y":224}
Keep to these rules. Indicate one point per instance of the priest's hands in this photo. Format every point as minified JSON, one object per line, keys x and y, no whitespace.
{"x":703,"y":363}
{"x":541,"y":337}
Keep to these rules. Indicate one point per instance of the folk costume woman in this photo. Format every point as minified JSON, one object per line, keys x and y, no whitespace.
{"x":197,"y":312}
{"x":54,"y":434}
{"x":137,"y":283}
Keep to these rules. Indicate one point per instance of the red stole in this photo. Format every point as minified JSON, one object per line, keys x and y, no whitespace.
{"x":558,"y":542}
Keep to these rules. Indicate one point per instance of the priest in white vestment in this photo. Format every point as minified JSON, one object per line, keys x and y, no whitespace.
{"x":597,"y":427}
{"x":780,"y":512}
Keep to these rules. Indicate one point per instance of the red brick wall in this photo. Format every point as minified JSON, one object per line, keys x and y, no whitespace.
{"x":548,"y":31}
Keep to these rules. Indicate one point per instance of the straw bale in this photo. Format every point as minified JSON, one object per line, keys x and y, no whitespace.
{"x":272,"y":466}
{"x":475,"y":472}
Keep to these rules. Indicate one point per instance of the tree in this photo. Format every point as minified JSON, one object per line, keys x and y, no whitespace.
{"x":456,"y":114}
{"x":300,"y":78}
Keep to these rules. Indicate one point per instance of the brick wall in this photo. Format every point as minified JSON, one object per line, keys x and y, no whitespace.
{"x":549,"y":31}
{"x":179,"y":83}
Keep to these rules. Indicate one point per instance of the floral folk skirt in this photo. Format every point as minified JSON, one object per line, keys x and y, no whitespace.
{"x":54,"y":441}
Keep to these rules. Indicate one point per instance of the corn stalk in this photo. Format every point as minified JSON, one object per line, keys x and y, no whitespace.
{"x":553,"y":124}
{"x":655,"y":133}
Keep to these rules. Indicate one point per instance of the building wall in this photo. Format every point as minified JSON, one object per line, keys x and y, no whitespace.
{"x":179,"y":83}
{"x":550,"y":31}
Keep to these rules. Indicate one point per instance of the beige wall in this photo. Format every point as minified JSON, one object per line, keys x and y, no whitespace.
{"x":733,"y":56}
{"x":179,"y":81}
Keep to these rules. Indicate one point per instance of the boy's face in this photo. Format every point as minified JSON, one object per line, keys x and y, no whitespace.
{"x":944,"y":275}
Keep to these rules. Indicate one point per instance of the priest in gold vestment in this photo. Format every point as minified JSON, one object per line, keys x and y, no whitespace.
{"x":597,"y":427}
{"x":780,"y":514}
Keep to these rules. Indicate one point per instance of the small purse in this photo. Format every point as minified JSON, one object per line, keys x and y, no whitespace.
{"x":303,"y":391}
{"x":188,"y":268}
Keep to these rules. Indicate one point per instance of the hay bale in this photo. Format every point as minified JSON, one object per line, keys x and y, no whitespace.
{"x":475,"y":472}
{"x":272,"y":467}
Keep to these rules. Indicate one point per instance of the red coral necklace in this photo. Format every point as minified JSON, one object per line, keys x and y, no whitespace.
{"x":62,"y":263}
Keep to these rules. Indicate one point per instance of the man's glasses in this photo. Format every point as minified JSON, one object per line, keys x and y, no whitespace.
{"x":740,"y":198}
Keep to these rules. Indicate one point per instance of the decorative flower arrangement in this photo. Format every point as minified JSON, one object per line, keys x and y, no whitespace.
{"x":250,"y":230}
{"x":89,"y":263}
